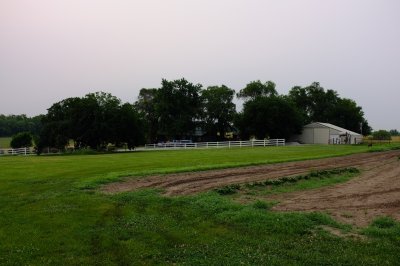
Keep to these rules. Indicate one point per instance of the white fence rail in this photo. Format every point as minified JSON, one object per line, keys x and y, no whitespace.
{"x":19,"y":151}
{"x":224,"y":144}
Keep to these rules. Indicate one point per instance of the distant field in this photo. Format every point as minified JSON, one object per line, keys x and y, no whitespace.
{"x":50,"y":213}
{"x":396,"y":139}
{"x":5,"y":142}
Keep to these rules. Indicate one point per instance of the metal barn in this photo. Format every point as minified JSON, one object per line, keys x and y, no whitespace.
{"x":325,"y":133}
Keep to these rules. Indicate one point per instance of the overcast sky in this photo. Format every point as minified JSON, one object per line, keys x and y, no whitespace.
{"x":53,"y":49}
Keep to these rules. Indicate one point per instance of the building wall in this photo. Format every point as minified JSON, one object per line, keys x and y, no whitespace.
{"x":321,"y":135}
{"x":307,"y":136}
{"x":318,"y":134}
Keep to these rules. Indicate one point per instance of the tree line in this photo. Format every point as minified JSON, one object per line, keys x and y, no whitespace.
{"x":13,"y":124}
{"x":180,"y":109}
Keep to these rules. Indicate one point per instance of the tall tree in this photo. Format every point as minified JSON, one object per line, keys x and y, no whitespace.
{"x":218,"y":110}
{"x":256,"y":89}
{"x":146,"y":106}
{"x":269,"y":117}
{"x":178,"y":107}
{"x":266,"y":114}
{"x":318,"y":105}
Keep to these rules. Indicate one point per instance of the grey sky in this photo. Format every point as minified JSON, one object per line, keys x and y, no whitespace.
{"x":53,"y":49}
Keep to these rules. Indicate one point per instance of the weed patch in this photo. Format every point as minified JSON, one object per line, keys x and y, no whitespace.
{"x":275,"y":183}
{"x":384,"y":222}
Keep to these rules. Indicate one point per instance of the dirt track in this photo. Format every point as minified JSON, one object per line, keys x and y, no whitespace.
{"x":375,"y":192}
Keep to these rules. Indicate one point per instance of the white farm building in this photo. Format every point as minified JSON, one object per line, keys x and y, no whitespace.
{"x":325,"y":133}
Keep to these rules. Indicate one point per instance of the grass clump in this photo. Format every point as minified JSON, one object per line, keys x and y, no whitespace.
{"x":228,"y":190}
{"x":384,"y":222}
{"x":273,"y":184}
{"x":384,"y":227}
{"x":262,"y":205}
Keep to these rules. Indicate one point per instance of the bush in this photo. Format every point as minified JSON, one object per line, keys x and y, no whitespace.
{"x":381,"y":135}
{"x":20,"y":140}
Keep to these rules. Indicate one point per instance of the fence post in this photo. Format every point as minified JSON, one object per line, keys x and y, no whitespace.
{"x":25,"y":150}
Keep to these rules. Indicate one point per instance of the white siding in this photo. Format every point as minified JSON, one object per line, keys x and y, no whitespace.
{"x":307,"y":136}
{"x":321,"y":135}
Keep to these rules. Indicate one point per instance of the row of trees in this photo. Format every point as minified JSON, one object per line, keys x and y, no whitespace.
{"x":13,"y":124}
{"x":180,"y":109}
{"x":92,"y":121}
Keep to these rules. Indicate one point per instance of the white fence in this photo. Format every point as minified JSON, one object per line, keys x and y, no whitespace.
{"x":224,"y":144}
{"x":20,"y":151}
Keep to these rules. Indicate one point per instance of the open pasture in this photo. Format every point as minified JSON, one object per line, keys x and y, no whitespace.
{"x":52,"y":212}
{"x":5,"y":142}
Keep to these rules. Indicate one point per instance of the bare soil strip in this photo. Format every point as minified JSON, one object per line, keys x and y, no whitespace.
{"x":375,"y":192}
{"x":194,"y":182}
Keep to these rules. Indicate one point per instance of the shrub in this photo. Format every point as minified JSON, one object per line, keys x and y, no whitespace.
{"x":381,"y":135}
{"x":20,"y":140}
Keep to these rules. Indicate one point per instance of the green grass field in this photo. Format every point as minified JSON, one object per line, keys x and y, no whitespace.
{"x":5,"y":142}
{"x":51,"y":213}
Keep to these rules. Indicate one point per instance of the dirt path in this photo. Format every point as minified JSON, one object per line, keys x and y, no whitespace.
{"x":193,"y":182}
{"x":375,"y":192}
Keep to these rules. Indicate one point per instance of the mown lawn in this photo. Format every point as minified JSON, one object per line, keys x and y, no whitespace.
{"x":50,"y":214}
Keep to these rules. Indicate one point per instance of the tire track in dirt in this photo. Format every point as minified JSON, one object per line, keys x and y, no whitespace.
{"x":376,"y":192}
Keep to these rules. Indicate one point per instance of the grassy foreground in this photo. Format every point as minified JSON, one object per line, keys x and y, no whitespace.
{"x":48,"y":216}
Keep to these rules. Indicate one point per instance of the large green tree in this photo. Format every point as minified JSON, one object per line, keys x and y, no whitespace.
{"x":218,"y":110}
{"x":147,"y":106}
{"x":178,"y":108}
{"x":319,"y":105}
{"x":269,"y":117}
{"x":266,"y":114}
{"x":256,"y":89}
{"x":92,"y":121}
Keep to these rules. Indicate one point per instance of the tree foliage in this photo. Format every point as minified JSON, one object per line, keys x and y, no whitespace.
{"x":256,"y":89}
{"x":269,"y":117}
{"x":381,"y":135}
{"x":21,"y":140}
{"x":179,"y":108}
{"x":318,"y":105}
{"x":218,"y":110}
{"x":266,"y":114}
{"x":13,"y":124}
{"x":147,"y":107}
{"x":93,"y":121}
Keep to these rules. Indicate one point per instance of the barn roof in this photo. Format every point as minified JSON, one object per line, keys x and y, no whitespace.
{"x":340,"y":129}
